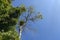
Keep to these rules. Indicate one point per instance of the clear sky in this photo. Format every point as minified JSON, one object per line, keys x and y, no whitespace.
{"x":49,"y":27}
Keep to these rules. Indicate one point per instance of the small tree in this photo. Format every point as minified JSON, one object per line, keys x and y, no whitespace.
{"x":26,"y":17}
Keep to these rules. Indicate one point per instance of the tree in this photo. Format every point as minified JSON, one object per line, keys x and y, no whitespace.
{"x":8,"y":19}
{"x":26,"y":18}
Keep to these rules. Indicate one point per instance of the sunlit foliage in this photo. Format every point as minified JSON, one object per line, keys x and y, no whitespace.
{"x":8,"y":19}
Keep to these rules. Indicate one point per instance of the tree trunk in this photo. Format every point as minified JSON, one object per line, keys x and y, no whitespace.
{"x":20,"y":34}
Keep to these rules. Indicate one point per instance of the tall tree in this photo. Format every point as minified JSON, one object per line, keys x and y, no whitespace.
{"x":8,"y":19}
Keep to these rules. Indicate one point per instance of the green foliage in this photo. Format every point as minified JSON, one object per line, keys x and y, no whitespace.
{"x":21,"y":23}
{"x":9,"y":15}
{"x":11,"y":35}
{"x":8,"y":19}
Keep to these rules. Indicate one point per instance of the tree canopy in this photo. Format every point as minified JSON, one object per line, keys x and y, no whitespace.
{"x":9,"y":14}
{"x":8,"y":19}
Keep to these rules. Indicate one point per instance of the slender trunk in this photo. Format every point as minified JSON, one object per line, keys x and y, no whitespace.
{"x":20,"y":31}
{"x":20,"y":35}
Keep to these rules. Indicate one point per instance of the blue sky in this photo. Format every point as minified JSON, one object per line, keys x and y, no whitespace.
{"x":49,"y":27}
